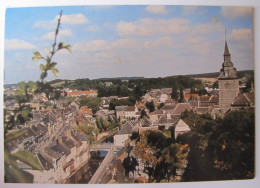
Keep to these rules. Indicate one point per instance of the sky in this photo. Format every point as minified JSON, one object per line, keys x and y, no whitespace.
{"x":127,"y":40}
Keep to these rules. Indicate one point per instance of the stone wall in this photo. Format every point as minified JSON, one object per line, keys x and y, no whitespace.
{"x":228,"y":91}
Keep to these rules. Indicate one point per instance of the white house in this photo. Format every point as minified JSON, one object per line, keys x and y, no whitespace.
{"x":163,"y":98}
{"x":123,"y":135}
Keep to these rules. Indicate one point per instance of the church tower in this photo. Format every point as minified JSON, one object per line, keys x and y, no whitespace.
{"x":228,"y":82}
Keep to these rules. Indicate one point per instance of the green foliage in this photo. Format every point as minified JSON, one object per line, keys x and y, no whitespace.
{"x":160,"y":156}
{"x":90,"y":130}
{"x":130,"y":164}
{"x":150,"y":106}
{"x":12,"y":173}
{"x":215,"y":84}
{"x":70,"y":99}
{"x":175,"y":94}
{"x":123,"y":102}
{"x":28,"y":158}
{"x":143,"y":114}
{"x":93,"y":103}
{"x":109,"y":124}
{"x":181,"y":96}
{"x":220,"y":149}
{"x":160,"y":106}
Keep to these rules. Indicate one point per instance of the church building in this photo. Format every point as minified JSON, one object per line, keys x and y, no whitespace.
{"x":228,"y":82}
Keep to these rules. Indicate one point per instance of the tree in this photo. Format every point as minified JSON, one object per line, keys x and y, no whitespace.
{"x":215,"y":85}
{"x":160,"y":156}
{"x":143,"y":114}
{"x":160,"y":105}
{"x":175,"y":94}
{"x":150,"y":106}
{"x":181,"y":96}
{"x":93,"y":103}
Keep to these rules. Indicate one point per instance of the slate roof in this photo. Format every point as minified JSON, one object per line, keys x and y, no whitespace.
{"x":115,"y":174}
{"x":164,"y":119}
{"x":181,"y":107}
{"x":145,"y":122}
{"x":39,"y":129}
{"x":202,"y":110}
{"x":157,"y":112}
{"x":127,"y":128}
{"x":46,"y":164}
{"x":52,"y":153}
{"x":244,"y":99}
{"x":168,"y":108}
{"x":61,"y":149}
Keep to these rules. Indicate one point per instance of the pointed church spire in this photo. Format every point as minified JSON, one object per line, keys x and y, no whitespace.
{"x":226,"y":52}
{"x":227,"y":56}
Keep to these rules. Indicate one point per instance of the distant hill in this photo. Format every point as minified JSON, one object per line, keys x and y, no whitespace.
{"x":216,"y":74}
{"x":10,"y":85}
{"x":121,"y":78}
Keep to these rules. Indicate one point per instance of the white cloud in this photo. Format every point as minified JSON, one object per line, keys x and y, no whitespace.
{"x":62,"y":33}
{"x":241,"y":35}
{"x":151,"y":27}
{"x":236,"y":12}
{"x":209,"y":27}
{"x":72,"y":19}
{"x":156,"y":9}
{"x":93,"y":46}
{"x":16,"y":44}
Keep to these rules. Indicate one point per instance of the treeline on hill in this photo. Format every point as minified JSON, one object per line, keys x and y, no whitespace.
{"x":135,"y":88}
{"x":138,"y":86}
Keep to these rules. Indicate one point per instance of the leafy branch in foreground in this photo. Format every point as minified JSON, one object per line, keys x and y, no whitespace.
{"x":50,"y":53}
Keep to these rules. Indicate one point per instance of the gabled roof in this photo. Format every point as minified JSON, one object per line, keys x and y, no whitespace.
{"x":168,"y":108}
{"x":214,"y":98}
{"x":52,"y":153}
{"x":145,"y":122}
{"x":202,"y":110}
{"x":244,"y":99}
{"x":157,"y":112}
{"x":86,"y":110}
{"x":46,"y":164}
{"x":127,"y":128}
{"x":181,"y":107}
{"x":165,"y":119}
{"x":182,"y":126}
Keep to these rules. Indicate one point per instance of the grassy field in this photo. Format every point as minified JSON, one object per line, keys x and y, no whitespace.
{"x":58,"y":84}
{"x":12,"y":174}
{"x":15,"y":135}
{"x":28,"y":158}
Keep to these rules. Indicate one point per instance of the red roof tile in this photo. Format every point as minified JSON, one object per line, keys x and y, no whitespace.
{"x":86,"y":109}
